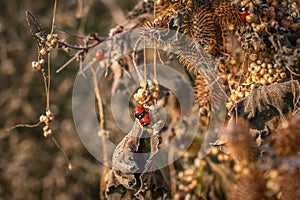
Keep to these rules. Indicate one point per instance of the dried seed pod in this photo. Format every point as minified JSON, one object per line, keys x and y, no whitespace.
{"x":257,"y":68}
{"x":47,"y":133}
{"x":266,"y":76}
{"x":159,"y":2}
{"x":231,"y":27}
{"x":270,"y":71}
{"x":253,"y":57}
{"x":282,"y":75}
{"x":262,"y":71}
{"x":250,"y":18}
{"x":49,"y":37}
{"x":234,"y":98}
{"x":270,"y":66}
{"x":241,"y":95}
{"x":276,"y":76}
{"x":263,"y":82}
{"x":271,"y":80}
{"x":229,"y":105}
{"x":50,"y":115}
{"x":188,"y":58}
{"x":233,"y":61}
{"x":203,"y":28}
{"x":253,"y":65}
{"x":226,"y":13}
{"x":259,"y":62}
{"x":43,"y":51}
{"x":202,"y":93}
{"x":38,"y":65}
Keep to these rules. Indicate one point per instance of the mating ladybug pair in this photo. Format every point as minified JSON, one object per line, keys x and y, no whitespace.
{"x":142,"y":115}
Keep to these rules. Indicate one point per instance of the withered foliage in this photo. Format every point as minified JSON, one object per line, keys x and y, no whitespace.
{"x":268,"y":105}
{"x":244,"y":54}
{"x":154,"y":186}
{"x":203,"y":28}
{"x":226,"y":13}
{"x":130,"y":172}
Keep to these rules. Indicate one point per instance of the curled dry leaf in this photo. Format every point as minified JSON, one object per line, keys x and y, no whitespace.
{"x":126,"y":150}
{"x":132,"y":160}
{"x":266,"y":106}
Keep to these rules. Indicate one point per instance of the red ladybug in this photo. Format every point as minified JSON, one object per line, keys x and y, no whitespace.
{"x":243,"y":13}
{"x":145,"y":121}
{"x":139,"y":112}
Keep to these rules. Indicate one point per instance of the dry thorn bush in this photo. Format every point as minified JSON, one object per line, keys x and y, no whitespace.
{"x":254,"y":45}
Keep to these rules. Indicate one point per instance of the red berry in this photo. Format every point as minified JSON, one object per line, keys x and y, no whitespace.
{"x":145,"y":121}
{"x":99,"y":55}
{"x":243,"y":13}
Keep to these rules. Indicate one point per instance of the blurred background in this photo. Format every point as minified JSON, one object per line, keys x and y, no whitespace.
{"x":31,"y":167}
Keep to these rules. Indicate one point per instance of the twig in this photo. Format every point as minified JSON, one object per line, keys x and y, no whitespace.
{"x":172,"y":171}
{"x":145,"y":61}
{"x":54,"y":16}
{"x":48,"y":83}
{"x":69,"y":61}
{"x":138,"y":71}
{"x":69,"y":33}
{"x":65,"y":154}
{"x":101,"y":116}
{"x":75,"y":47}
{"x":24,"y":125}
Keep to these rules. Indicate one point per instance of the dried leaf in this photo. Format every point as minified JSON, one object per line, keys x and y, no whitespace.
{"x":132,"y":159}
{"x":153,"y":186}
{"x":266,"y":106}
{"x":124,"y":155}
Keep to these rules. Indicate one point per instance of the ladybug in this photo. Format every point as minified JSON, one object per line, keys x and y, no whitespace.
{"x":139,"y":112}
{"x":145,"y":121}
{"x":243,"y":13}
